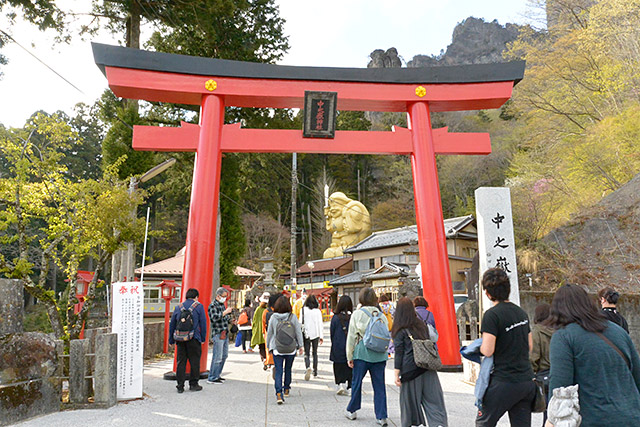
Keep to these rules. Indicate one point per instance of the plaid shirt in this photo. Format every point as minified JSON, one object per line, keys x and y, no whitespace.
{"x":219,"y":321}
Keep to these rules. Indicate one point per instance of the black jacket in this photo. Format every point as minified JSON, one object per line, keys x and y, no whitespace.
{"x":612,"y":314}
{"x":339,"y":328}
{"x":404,"y":357}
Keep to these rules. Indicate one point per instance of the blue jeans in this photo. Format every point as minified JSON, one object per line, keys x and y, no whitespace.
{"x":218,"y":356}
{"x":287,"y":361}
{"x":376,"y":370}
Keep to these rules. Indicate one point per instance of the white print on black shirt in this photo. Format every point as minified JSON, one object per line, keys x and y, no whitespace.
{"x":508,"y":328}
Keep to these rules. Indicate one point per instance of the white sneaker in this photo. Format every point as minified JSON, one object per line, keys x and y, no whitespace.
{"x":350,"y":415}
{"x":307,"y":374}
{"x":383,"y":422}
{"x":342,"y":389}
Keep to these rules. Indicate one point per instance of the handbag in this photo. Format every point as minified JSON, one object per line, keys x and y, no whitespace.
{"x":425,"y":354}
{"x":540,"y":401}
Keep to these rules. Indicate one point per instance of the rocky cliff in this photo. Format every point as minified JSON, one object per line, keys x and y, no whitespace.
{"x":474,"y":41}
{"x":597,"y":248}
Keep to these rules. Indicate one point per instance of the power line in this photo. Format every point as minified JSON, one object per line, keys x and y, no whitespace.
{"x":313,"y":190}
{"x":236,"y":203}
{"x":41,"y":61}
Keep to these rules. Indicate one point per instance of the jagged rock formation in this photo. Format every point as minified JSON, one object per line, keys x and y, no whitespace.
{"x":382,"y":59}
{"x":474,"y":41}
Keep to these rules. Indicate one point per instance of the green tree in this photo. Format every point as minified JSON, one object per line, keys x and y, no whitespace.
{"x":232,"y":239}
{"x":577,"y":104}
{"x":47,"y":217}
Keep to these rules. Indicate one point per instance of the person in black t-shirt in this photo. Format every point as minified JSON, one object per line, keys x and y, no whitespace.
{"x":608,"y":300}
{"x":506,"y":336}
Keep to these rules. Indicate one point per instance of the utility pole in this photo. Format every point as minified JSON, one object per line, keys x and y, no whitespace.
{"x":310,"y":230}
{"x":294,"y":190}
{"x":359,"y":199}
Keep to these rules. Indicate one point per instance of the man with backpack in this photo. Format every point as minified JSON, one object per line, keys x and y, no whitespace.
{"x":367,"y":345}
{"x":219,"y":317}
{"x":188,"y":330}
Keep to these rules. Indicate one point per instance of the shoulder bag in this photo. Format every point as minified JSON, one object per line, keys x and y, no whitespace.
{"x":613,"y":346}
{"x":425,"y":353}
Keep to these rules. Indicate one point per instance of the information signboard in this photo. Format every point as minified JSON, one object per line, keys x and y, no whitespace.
{"x":128,"y":324}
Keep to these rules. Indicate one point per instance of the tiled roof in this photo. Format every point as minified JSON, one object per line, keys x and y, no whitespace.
{"x":404,"y":235}
{"x":174,"y":266}
{"x":321,"y":266}
{"x":245,"y":272}
{"x":168,"y":267}
{"x":347,"y":279}
{"x":387,"y":271}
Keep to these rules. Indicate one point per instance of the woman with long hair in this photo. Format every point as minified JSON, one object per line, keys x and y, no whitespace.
{"x":313,"y":334}
{"x":608,"y":301}
{"x":598,"y":355}
{"x":420,"y":390}
{"x":338,"y":355}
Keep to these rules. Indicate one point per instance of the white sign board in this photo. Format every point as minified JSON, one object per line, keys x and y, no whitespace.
{"x":128,"y":324}
{"x":496,"y":244}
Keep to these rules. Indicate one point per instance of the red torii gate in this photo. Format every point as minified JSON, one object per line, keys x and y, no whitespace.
{"x":215,"y":83}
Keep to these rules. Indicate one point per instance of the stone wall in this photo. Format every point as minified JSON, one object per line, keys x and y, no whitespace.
{"x":154,"y":339}
{"x":628,"y":306}
{"x":11,"y":307}
{"x":28,"y":363}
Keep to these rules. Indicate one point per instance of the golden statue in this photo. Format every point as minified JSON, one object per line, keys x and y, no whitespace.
{"x":349,"y":222}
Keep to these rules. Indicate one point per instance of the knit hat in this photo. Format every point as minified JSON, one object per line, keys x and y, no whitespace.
{"x":265,"y":297}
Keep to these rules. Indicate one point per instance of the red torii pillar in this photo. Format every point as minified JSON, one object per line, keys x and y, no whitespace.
{"x":212,"y":83}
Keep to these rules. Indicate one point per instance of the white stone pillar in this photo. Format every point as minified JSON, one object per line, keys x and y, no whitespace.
{"x":496,"y":243}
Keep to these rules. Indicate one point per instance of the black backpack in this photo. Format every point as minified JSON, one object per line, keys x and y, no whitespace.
{"x":184,"y":327}
{"x":286,"y":341}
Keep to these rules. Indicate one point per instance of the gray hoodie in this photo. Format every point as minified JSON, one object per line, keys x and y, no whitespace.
{"x":273,"y":324}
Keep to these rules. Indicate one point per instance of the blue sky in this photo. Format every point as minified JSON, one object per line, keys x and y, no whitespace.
{"x":350,"y":29}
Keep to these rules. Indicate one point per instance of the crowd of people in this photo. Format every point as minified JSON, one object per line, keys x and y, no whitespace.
{"x":572,"y":342}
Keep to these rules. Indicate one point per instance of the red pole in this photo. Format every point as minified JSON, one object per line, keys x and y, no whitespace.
{"x":434,"y":259}
{"x":203,"y":211}
{"x":167,"y":301}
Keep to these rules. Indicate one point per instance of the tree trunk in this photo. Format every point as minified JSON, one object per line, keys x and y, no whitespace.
{"x":133,"y":25}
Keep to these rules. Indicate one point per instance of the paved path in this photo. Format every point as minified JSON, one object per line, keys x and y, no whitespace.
{"x":248,"y":399}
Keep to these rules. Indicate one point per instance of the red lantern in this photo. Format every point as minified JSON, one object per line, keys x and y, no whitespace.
{"x":168,"y":290}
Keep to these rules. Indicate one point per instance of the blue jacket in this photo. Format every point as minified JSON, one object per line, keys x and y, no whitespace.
{"x":199,"y":321}
{"x":338,"y":352}
{"x":472,"y":352}
{"x":426,"y":316}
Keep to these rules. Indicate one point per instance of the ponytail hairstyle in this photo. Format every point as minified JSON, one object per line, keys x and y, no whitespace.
{"x":609,"y":294}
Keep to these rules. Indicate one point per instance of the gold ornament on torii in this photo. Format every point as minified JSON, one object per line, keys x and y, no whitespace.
{"x":349,"y":222}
